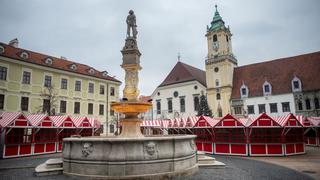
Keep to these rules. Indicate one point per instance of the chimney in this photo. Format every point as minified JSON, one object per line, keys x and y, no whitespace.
{"x":14,"y":43}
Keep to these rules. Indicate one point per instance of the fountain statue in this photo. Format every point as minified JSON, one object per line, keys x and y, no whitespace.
{"x":131,"y":154}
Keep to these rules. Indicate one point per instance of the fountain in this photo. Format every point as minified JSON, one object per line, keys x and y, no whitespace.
{"x":131,"y":154}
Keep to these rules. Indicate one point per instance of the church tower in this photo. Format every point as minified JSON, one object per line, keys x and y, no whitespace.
{"x":220,"y":63}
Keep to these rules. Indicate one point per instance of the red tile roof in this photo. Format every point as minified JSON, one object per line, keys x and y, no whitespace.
{"x":58,"y":63}
{"x":279,"y":73}
{"x":182,"y":72}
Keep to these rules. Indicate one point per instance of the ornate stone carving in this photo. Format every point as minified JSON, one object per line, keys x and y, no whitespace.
{"x":150,"y":150}
{"x":193,"y":146}
{"x":87,"y":149}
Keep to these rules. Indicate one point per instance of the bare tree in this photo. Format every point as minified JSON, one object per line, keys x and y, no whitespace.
{"x":50,"y":98}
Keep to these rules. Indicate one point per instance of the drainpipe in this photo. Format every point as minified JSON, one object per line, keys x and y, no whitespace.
{"x":107,"y":112}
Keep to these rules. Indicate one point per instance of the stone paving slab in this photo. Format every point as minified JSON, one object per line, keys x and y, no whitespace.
{"x":308,"y":163}
{"x":236,"y":168}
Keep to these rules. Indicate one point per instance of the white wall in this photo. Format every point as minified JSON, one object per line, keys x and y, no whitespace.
{"x":184,"y":89}
{"x":279,"y":99}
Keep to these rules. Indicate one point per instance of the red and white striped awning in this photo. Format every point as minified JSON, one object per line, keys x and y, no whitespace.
{"x":58,"y":120}
{"x":78,"y":120}
{"x":94,"y":122}
{"x":282,"y":119}
{"x":150,"y":123}
{"x":35,"y":119}
{"x":245,"y":121}
{"x":314,"y":120}
{"x":165,"y":123}
{"x":8,"y":117}
{"x":191,"y":121}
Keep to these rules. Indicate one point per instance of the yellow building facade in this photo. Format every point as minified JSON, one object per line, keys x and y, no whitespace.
{"x":35,"y":83}
{"x":220,"y":63}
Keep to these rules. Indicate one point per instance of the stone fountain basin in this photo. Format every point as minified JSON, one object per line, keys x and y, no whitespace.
{"x":131,"y":107}
{"x":159,"y":157}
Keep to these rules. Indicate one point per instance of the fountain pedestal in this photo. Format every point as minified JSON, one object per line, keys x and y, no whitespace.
{"x":130,"y":155}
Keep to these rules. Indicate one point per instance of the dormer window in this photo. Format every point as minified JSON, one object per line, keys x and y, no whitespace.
{"x":105,"y":73}
{"x":73,"y":67}
{"x":267,"y":89}
{"x":1,"y":49}
{"x":244,"y":91}
{"x":24,"y":55}
{"x":48,"y":61}
{"x":91,"y":71}
{"x":296,"y":84}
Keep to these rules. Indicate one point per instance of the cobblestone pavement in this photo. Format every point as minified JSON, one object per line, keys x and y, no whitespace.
{"x":236,"y":168}
{"x":308,"y":163}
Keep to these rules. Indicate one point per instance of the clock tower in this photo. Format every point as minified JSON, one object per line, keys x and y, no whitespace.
{"x":220,"y":63}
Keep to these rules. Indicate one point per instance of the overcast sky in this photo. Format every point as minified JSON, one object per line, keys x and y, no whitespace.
{"x":92,"y":32}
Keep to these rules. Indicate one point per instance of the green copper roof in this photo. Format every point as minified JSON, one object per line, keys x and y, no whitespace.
{"x":217,"y":23}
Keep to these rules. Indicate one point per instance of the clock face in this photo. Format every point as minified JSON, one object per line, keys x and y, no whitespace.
{"x":215,"y":45}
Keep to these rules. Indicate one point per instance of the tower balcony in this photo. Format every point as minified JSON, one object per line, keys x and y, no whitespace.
{"x":220,"y":58}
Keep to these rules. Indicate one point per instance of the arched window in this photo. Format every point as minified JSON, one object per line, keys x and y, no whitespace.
{"x":296,"y":84}
{"x":267,"y":88}
{"x":308,"y":105}
{"x":316,"y":103}
{"x":196,"y":103}
{"x":218,"y":96}
{"x":24,"y":55}
{"x":215,"y":38}
{"x":170,"y":105}
{"x":300,"y":105}
{"x":182,"y":105}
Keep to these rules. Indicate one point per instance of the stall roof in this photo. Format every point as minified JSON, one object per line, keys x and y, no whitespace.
{"x":264,"y":121}
{"x":287,"y":120}
{"x":165,"y":123}
{"x":150,"y":123}
{"x":191,"y":121}
{"x":206,"y":122}
{"x":229,"y":121}
{"x":59,"y":120}
{"x":35,"y":119}
{"x":95,"y":122}
{"x":78,"y":121}
{"x":314,"y":120}
{"x":8,"y":118}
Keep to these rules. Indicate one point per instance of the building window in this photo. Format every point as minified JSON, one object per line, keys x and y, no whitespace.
{"x":48,"y":61}
{"x":227,"y":38}
{"x":170,"y":105}
{"x":262,"y":108}
{"x":46,"y":106}
{"x":101,"y":89}
{"x":218,"y":96}
{"x":267,"y":89}
{"x":63,"y":106}
{"x":76,"y":107}
{"x":182,"y":105}
{"x":158,"y":107}
{"x":244,"y":91}
{"x":1,"y":49}
{"x":26,"y":77}
{"x":24,"y":55}
{"x":1,"y":101}
{"x":300,"y":105}
{"x":175,"y":94}
{"x":24,"y":103}
{"x":273,"y":107}
{"x":112,"y":129}
{"x":64,"y":83}
{"x":216,"y":69}
{"x":77,"y":86}
{"x":195,"y":87}
{"x":296,"y":84}
{"x":91,"y":88}
{"x":285,"y":107}
{"x":220,"y":112}
{"x":112,"y":91}
{"x":101,"y":109}
{"x":196,"y":103}
{"x":47,"y":81}
{"x":215,"y":38}
{"x":316,"y":103}
{"x":217,"y":82}
{"x":308,"y":105}
{"x":3,"y":73}
{"x":90,"y":108}
{"x":250,"y":109}
{"x":238,"y":110}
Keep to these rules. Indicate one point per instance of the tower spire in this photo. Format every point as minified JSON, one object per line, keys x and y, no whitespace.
{"x":179,"y":56}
